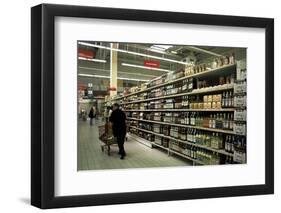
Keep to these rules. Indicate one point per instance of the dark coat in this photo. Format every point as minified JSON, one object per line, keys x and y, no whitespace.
{"x":118,"y":120}
{"x":91,"y":113}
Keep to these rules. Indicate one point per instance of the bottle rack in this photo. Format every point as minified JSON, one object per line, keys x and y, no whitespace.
{"x":170,"y":94}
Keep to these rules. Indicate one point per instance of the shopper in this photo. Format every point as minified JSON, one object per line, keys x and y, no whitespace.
{"x":118,"y":120}
{"x":94,"y":111}
{"x":110,"y":111}
{"x":106,"y":114}
{"x":91,"y":115}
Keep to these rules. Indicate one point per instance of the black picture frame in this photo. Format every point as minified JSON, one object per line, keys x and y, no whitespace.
{"x":43,"y":105}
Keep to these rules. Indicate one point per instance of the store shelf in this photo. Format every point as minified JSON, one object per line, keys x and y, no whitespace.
{"x":175,"y":152}
{"x":186,"y":126}
{"x":187,"y":157}
{"x":181,"y":110}
{"x":162,"y":147}
{"x":199,"y":91}
{"x":141,"y":140}
{"x":223,"y":152}
{"x":201,"y":74}
{"x":144,"y":130}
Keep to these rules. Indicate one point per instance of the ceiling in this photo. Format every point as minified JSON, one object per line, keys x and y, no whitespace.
{"x":175,"y":52}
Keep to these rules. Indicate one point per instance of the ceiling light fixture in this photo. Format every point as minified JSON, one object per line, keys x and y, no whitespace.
{"x":144,"y":67}
{"x":160,"y":47}
{"x":92,"y":59}
{"x":120,"y":72}
{"x":104,"y":76}
{"x":130,"y":52}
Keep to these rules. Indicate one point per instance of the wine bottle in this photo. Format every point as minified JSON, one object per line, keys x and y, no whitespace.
{"x":231,"y":144}
{"x":226,"y":99}
{"x":211,"y":121}
{"x":227,"y":121}
{"x":226,"y":144}
{"x":224,"y":121}
{"x":231,"y":122}
{"x":214,"y":121}
{"x":231,"y":99}
{"x":195,"y":153}
{"x":223,"y":100}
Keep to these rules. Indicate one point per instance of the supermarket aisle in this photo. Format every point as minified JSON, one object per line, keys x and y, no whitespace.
{"x":91,"y":157}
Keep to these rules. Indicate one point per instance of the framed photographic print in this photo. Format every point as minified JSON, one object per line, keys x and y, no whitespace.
{"x":139,"y":106}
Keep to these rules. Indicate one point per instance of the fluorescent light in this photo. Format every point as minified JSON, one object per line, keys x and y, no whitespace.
{"x":156,"y":50}
{"x":120,"y":72}
{"x":86,"y":75}
{"x":161,"y":47}
{"x":104,"y":76}
{"x":92,"y":59}
{"x":144,"y":67}
{"x":131,"y":79}
{"x":130,"y":52}
{"x":174,"y":52}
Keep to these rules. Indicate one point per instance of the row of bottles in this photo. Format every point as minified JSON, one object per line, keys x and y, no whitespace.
{"x":204,"y":156}
{"x":191,"y":69}
{"x":190,"y":151}
{"x":214,"y":120}
{"x":224,"y":60}
{"x":232,"y":144}
{"x":213,"y":140}
{"x":223,"y":120}
{"x":213,"y":82}
{"x":208,"y":157}
{"x":205,"y":138}
{"x":227,"y":99}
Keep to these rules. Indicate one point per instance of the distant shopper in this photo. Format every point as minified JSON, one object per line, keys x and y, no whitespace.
{"x":92,"y":115}
{"x":110,"y":111}
{"x":94,"y":111}
{"x":106,"y":113}
{"x":118,"y":120}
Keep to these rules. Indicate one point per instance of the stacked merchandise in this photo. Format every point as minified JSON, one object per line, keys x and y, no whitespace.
{"x":199,"y":112}
{"x":240,"y":113}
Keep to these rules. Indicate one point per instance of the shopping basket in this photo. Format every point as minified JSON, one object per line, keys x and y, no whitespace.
{"x":106,"y":137}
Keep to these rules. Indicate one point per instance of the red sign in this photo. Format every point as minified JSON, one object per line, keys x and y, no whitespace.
{"x":81,"y":86}
{"x":85,"y":53}
{"x":112,"y":88}
{"x":150,"y":63}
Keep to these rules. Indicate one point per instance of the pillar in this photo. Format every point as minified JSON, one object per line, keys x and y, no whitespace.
{"x":113,"y":68}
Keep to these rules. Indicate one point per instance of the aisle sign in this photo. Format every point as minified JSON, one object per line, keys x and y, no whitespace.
{"x":151,"y":63}
{"x":85,"y":53}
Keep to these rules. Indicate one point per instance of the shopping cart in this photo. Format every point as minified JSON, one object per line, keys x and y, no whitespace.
{"x":106,"y":137}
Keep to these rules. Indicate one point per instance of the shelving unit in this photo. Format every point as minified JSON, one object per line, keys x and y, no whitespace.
{"x":169,"y":151}
{"x":181,"y":110}
{"x":209,"y":72}
{"x":225,"y":87}
{"x":183,"y":125}
{"x":187,"y":142}
{"x":138,"y":101}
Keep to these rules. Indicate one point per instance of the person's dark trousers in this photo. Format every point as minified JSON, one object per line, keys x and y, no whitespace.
{"x":120,"y":142}
{"x":91,"y":121}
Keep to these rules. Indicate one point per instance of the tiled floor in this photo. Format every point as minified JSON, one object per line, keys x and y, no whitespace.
{"x":91,"y":157}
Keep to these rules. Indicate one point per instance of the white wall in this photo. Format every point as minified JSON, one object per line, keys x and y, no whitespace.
{"x":15,"y":105}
